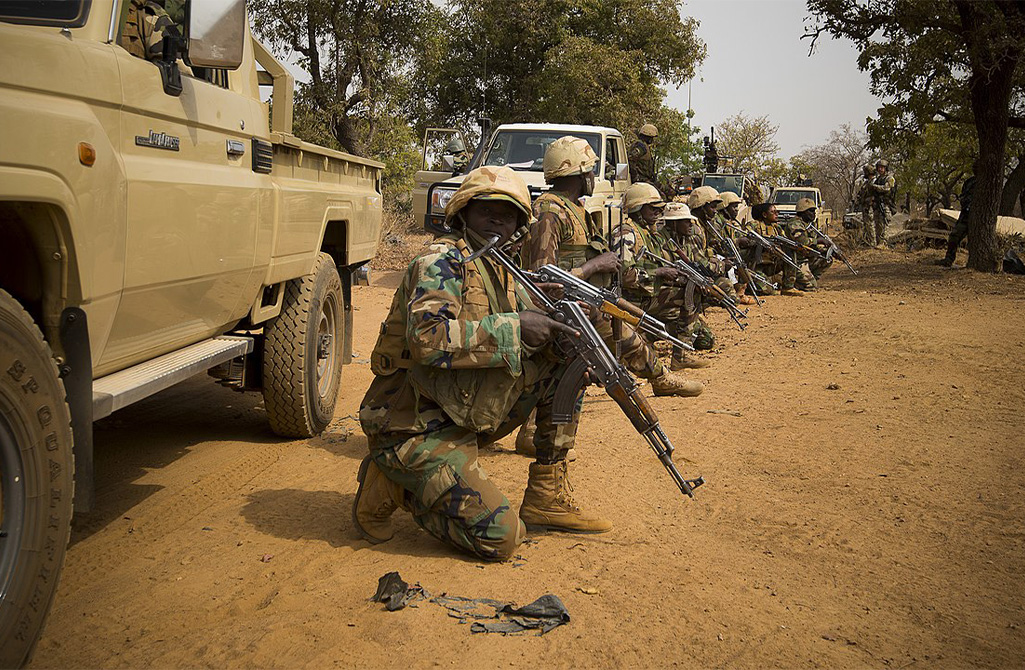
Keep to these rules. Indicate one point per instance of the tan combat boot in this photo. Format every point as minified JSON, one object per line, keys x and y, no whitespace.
{"x":792,"y":292}
{"x":670,"y":384}
{"x":681,"y":361}
{"x":376,"y":499}
{"x":548,"y":503}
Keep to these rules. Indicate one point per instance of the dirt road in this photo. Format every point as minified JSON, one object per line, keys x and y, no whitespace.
{"x":865,"y":509}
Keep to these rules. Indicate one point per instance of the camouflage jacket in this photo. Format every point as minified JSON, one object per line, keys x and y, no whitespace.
{"x":452,"y":331}
{"x":563,"y":234}
{"x":642,"y":163}
{"x":695,"y":247}
{"x":146,"y":24}
{"x":629,"y":241}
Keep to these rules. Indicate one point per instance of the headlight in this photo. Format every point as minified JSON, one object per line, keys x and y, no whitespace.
{"x":440,"y":198}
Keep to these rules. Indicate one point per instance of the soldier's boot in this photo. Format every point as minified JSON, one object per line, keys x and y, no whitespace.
{"x":792,"y":292}
{"x":670,"y":384}
{"x":548,"y":503}
{"x":376,"y":499}
{"x":681,"y":361}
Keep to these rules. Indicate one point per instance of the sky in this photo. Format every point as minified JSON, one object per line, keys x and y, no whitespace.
{"x":757,"y":63}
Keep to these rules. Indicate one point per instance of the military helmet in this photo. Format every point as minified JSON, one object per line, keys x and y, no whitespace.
{"x":455,"y":146}
{"x":677,"y":210}
{"x":639,"y":195}
{"x":882,"y":161}
{"x":491,"y":183}
{"x":701,"y":196}
{"x":728,"y":198}
{"x":804,"y":204}
{"x":648,"y":130}
{"x":568,"y":156}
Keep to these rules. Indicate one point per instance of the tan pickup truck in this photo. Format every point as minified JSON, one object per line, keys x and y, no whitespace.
{"x":521,"y":146}
{"x":785,"y":198}
{"x":154,"y":224}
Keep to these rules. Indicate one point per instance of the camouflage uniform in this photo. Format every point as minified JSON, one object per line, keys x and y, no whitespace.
{"x":694,"y":249}
{"x":795,"y":229}
{"x":770,"y":265}
{"x":642,"y":163}
{"x":564,"y":235}
{"x":882,"y":192}
{"x":146,"y":24}
{"x":426,"y":409}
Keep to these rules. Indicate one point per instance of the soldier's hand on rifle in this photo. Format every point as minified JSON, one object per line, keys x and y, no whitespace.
{"x":607,"y":263}
{"x":553,"y":290}
{"x":667,"y":273}
{"x":538,"y":329}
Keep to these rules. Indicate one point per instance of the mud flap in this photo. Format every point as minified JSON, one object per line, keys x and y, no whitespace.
{"x":77,"y":373}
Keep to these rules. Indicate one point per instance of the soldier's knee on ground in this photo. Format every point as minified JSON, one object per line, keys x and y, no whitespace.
{"x":511,"y":534}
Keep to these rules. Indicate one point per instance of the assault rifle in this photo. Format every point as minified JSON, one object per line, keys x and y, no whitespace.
{"x":745,"y":273}
{"x":833,"y":250}
{"x":766,"y":244}
{"x":797,"y":246}
{"x":590,"y":359}
{"x":705,"y":285}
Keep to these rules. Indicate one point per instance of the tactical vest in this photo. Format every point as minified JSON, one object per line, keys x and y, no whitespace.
{"x":586,"y":241}
{"x":479,"y":399}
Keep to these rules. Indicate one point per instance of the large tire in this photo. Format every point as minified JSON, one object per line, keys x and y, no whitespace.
{"x":302,"y":353}
{"x":36,"y":481}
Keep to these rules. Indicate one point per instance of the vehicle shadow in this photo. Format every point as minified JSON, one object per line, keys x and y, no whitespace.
{"x":156,"y":432}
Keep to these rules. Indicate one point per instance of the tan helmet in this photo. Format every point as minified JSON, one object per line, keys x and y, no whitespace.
{"x":648,"y":130}
{"x":701,"y":196}
{"x":491,"y":183}
{"x":568,"y":156}
{"x":639,"y":195}
{"x":675,"y":211}
{"x":728,"y":198}
{"x":882,"y":161}
{"x":803,"y":205}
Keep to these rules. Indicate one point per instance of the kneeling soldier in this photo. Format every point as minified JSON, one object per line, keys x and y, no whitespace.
{"x":462,"y":358}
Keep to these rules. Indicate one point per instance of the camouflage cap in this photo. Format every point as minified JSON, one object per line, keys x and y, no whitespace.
{"x":882,"y":161}
{"x":491,"y":183}
{"x":568,"y":156}
{"x":648,"y":130}
{"x":675,"y":211}
{"x":804,"y":204}
{"x":701,"y":196}
{"x":639,"y":195}
{"x":728,"y":198}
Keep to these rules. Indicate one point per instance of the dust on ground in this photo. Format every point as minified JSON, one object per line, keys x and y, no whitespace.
{"x":865,"y":509}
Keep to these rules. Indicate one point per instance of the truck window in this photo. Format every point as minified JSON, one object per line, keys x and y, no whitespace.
{"x":525,"y":149}
{"x":790,"y":197}
{"x":611,"y":156}
{"x":65,"y":13}
{"x":725,"y":182}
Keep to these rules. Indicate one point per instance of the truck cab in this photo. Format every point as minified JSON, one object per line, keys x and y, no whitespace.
{"x":785,"y":198}
{"x":522,"y":146}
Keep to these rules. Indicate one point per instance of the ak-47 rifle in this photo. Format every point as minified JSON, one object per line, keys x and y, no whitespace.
{"x":590,"y":359}
{"x":766,"y":244}
{"x":705,"y":285}
{"x":793,"y":245}
{"x":833,"y":250}
{"x":746,"y":274}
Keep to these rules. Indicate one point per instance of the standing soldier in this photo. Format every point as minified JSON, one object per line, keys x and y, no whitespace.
{"x":882,"y":194}
{"x":463,"y":356}
{"x":642,"y":160}
{"x":646,"y":283}
{"x":865,"y":203}
{"x":960,"y":230}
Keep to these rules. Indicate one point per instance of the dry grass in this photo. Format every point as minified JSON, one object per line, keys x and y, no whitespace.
{"x":402,"y":238}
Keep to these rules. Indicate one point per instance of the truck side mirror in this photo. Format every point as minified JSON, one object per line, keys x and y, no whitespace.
{"x":622,"y":171}
{"x":217,"y":33}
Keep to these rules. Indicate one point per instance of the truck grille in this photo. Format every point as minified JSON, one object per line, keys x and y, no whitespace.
{"x":263,"y":156}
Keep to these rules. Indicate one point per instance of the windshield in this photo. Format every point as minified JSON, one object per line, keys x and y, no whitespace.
{"x":725,"y":182}
{"x":525,"y":149}
{"x":790,"y":197}
{"x":69,"y":13}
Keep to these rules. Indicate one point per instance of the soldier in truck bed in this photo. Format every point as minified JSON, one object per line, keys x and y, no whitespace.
{"x":462,"y":359}
{"x":640,"y":156}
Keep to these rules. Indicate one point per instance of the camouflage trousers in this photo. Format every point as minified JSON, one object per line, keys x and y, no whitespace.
{"x":880,"y":219}
{"x":635,"y":352}
{"x":446,"y":490}
{"x":682,"y":321}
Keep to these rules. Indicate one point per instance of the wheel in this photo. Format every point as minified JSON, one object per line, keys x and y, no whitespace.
{"x":302,"y":353}
{"x":36,"y":481}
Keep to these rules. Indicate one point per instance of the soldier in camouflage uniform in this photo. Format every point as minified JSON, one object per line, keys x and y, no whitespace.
{"x":146,"y":24}
{"x":460,"y":156}
{"x":882,"y":192}
{"x":766,"y":223}
{"x":462,"y":359}
{"x":805,"y":215}
{"x":688,"y":243}
{"x":726,"y":213}
{"x":866,"y":231}
{"x":646,"y":283}
{"x":640,"y":156}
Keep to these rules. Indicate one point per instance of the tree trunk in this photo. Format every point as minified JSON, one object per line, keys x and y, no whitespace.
{"x":1013,"y":188}
{"x":990,"y":91}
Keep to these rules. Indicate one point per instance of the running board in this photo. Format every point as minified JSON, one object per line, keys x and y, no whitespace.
{"x":123,"y":388}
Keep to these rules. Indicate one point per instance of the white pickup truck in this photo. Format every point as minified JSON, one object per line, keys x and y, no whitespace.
{"x":154,"y":224}
{"x":521,"y":146}
{"x":785,"y":198}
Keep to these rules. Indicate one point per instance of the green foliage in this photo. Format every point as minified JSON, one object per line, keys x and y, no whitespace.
{"x":750,"y":141}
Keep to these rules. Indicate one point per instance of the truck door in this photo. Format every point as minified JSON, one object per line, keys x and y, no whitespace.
{"x":192,"y":207}
{"x":432,"y":165}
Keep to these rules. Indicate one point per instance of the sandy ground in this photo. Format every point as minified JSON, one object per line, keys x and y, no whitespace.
{"x":864,"y":510}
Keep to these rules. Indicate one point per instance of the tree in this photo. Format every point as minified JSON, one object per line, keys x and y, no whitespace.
{"x":357,"y":53}
{"x":959,"y":60}
{"x":750,"y":141}
{"x":835,"y":166}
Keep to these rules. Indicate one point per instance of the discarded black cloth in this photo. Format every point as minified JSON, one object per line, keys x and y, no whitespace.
{"x":395,"y":593}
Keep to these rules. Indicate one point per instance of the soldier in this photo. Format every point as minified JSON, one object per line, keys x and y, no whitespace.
{"x":767,"y":224}
{"x":685,"y":229}
{"x":146,"y":24}
{"x":797,"y":230}
{"x":640,"y":156}
{"x":882,"y":194}
{"x":865,"y":203}
{"x":960,"y":230}
{"x":646,"y":283}
{"x":462,"y":358}
{"x":460,"y":156}
{"x":727,"y":211}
